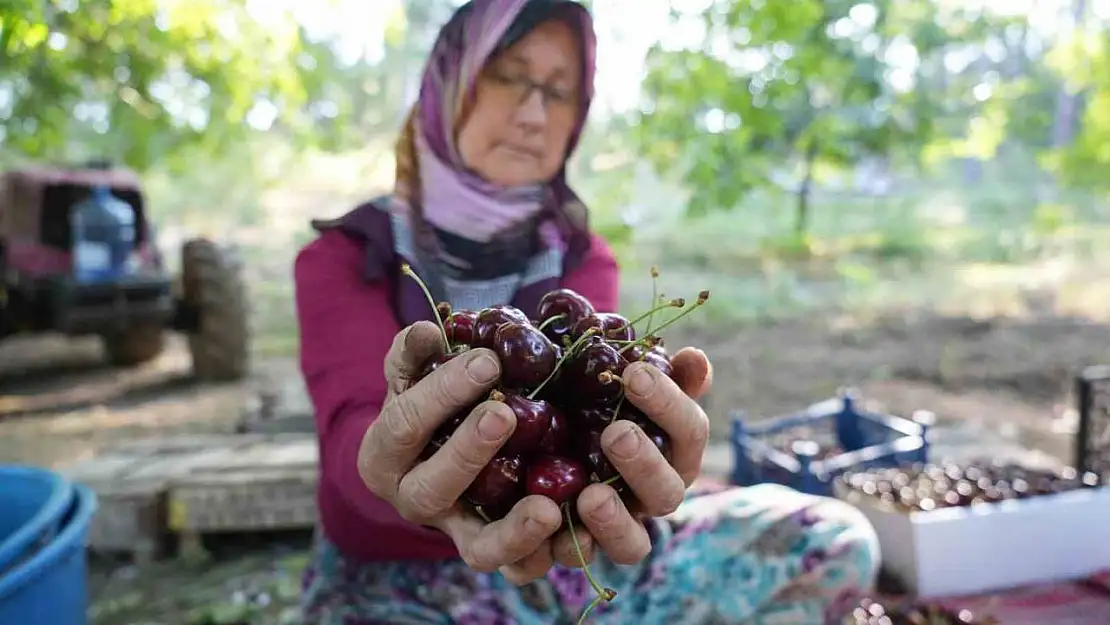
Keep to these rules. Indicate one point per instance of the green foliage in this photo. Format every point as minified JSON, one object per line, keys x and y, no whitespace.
{"x":778,"y":83}
{"x":140,"y":80}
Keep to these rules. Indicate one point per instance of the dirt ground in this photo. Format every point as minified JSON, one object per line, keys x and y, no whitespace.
{"x":57,"y":406}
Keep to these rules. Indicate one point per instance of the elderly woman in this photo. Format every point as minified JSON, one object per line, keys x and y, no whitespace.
{"x":482,"y":210}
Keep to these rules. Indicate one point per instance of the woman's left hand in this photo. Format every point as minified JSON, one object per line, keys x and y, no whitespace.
{"x":659,"y":486}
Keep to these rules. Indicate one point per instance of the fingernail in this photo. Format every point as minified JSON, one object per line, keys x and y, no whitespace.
{"x":628,"y":443}
{"x":642,"y":382}
{"x":493,"y":426}
{"x":606,"y":512}
{"x":534,"y":527}
{"x":482,"y":368}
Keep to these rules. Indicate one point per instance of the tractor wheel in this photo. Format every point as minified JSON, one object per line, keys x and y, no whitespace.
{"x":134,"y":346}
{"x":213,"y":287}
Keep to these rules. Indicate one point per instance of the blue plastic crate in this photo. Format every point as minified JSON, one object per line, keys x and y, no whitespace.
{"x":807,"y":450}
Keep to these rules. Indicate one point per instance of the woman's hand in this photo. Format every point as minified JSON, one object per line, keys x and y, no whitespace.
{"x":427,"y":493}
{"x":659,"y":486}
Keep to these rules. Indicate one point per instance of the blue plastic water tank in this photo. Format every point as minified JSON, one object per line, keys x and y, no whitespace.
{"x":103,"y":237}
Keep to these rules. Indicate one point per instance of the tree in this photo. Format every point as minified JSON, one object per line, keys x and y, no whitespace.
{"x":140,"y":80}
{"x":811,"y":83}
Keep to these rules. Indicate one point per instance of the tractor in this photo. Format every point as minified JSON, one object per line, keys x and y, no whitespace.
{"x":132,"y":313}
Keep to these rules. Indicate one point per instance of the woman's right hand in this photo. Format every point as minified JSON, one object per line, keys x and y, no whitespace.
{"x":427,"y":493}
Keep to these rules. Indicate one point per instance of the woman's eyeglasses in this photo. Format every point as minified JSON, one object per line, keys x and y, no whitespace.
{"x":519,"y":88}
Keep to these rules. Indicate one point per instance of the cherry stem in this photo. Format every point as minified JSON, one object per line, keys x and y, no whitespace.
{"x":590,"y":608}
{"x":654,"y":297}
{"x":566,"y":356}
{"x":551,"y":320}
{"x":603,"y":594}
{"x":407,"y":270}
{"x":611,"y":480}
{"x":674,"y":303}
{"x":703,"y":297}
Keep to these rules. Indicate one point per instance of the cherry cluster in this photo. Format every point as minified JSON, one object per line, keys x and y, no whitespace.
{"x":561,"y":375}
{"x":876,"y":612}
{"x":921,"y":488}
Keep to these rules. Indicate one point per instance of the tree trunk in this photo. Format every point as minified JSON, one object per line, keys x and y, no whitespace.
{"x":801,"y":217}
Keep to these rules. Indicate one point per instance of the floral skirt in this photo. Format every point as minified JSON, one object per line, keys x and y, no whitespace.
{"x":762,"y":555}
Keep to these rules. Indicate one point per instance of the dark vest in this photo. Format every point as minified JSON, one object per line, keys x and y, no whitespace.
{"x":371,"y":226}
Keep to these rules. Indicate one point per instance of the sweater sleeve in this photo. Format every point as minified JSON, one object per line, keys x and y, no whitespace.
{"x":597,"y":277}
{"x":346,"y":329}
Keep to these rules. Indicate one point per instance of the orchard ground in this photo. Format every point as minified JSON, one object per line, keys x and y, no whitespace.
{"x":977,"y":305}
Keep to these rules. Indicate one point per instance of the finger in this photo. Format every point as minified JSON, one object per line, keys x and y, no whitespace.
{"x":411,"y":348}
{"x":396,"y":438}
{"x":486,"y":548}
{"x":692,"y":371}
{"x":562,"y":546}
{"x":434,"y":485}
{"x":531,"y":568}
{"x":645,"y":470}
{"x":681,"y":417}
{"x":621,"y":537}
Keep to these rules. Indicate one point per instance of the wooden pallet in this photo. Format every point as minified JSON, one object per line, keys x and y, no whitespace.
{"x":193,"y":485}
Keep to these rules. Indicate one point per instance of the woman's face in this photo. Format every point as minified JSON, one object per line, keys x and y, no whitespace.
{"x":525,"y":107}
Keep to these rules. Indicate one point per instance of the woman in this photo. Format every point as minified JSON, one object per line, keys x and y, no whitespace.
{"x":482,"y":210}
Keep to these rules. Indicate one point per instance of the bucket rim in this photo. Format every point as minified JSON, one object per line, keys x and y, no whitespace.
{"x":69,"y":538}
{"x":53,"y":509}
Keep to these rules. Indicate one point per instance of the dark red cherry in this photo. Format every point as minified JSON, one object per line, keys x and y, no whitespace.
{"x":498,"y":483}
{"x":584,"y":374}
{"x":489,"y":319}
{"x":431,"y":365}
{"x":460,"y":327}
{"x":596,"y":417}
{"x":557,"y":478}
{"x":611,"y":325}
{"x":571,"y":305}
{"x":597,"y":463}
{"x":557,"y":437}
{"x":533,"y":422}
{"x":658,"y":358}
{"x":654,"y":433}
{"x":527,"y":356}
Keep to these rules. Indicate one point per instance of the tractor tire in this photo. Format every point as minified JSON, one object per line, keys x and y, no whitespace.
{"x":134,"y":346}
{"x":212,"y":284}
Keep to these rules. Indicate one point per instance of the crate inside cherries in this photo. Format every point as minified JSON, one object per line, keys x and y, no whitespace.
{"x":889,"y":612}
{"x":923,"y":488}
{"x":806,"y":450}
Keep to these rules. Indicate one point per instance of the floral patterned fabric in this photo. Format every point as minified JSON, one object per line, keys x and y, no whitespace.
{"x":763,"y":555}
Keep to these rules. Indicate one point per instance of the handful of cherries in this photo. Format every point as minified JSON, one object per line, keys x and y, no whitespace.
{"x":921,"y":488}
{"x":561,"y":374}
{"x":875,"y":612}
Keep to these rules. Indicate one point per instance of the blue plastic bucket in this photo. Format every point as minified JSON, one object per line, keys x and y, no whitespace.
{"x":32,"y":504}
{"x":52,"y":587}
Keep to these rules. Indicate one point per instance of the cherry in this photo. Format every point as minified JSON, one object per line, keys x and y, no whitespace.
{"x":584,"y":373}
{"x":533,"y":423}
{"x":559,"y":310}
{"x":612,"y":326}
{"x":654,"y":433}
{"x":557,"y":437}
{"x":430,"y":365}
{"x":489,"y":319}
{"x":555,"y":477}
{"x":460,"y":327}
{"x":596,"y":417}
{"x":498,"y":483}
{"x":658,"y":358}
{"x":527,"y":356}
{"x":596,"y":461}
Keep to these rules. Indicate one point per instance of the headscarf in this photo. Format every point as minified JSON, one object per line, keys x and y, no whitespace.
{"x":469,"y":228}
